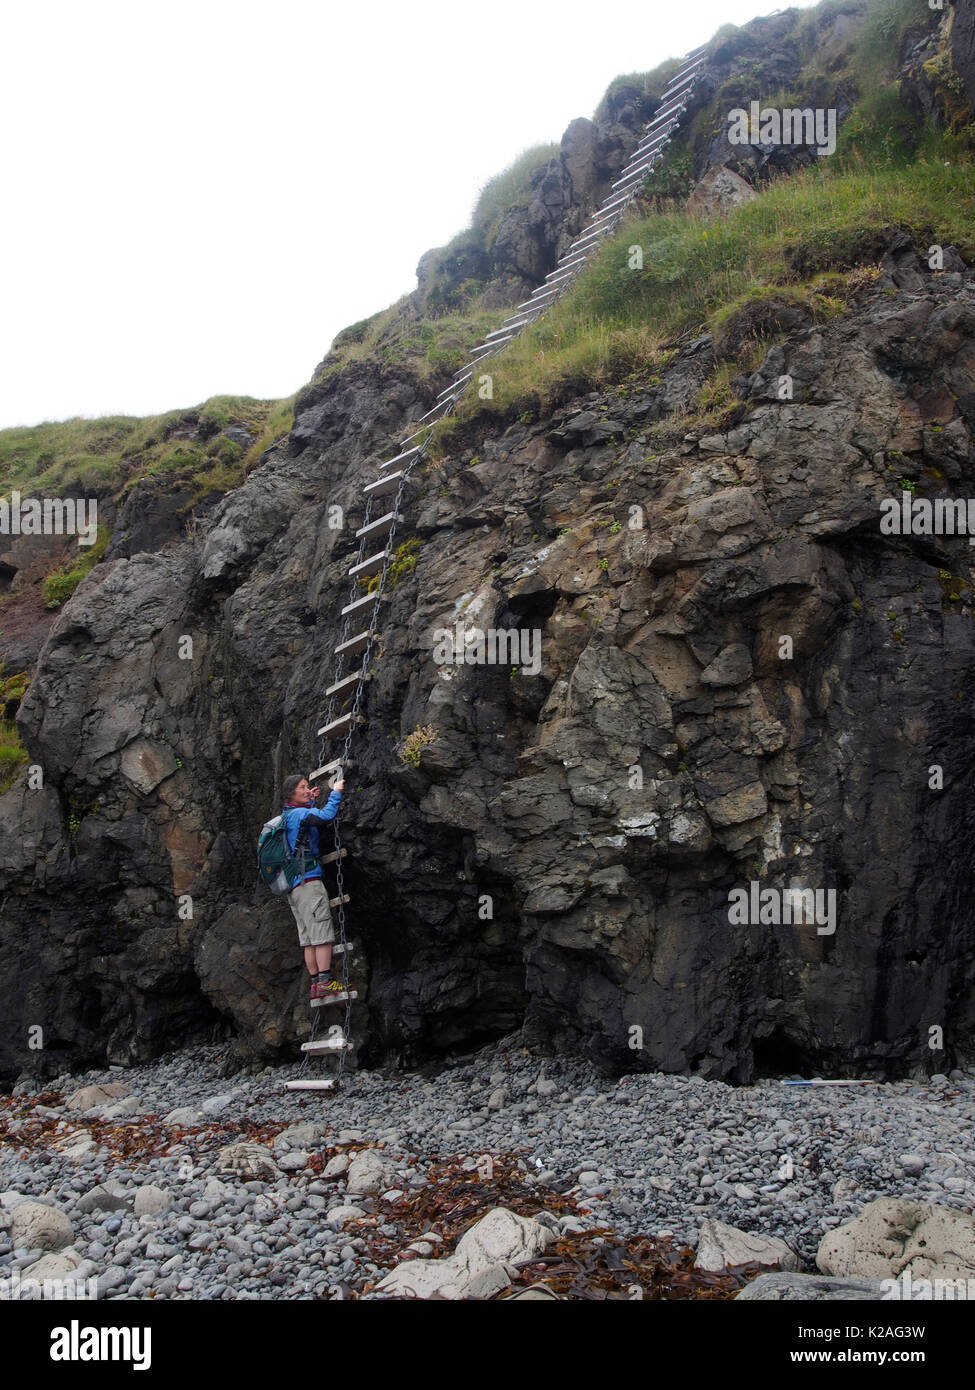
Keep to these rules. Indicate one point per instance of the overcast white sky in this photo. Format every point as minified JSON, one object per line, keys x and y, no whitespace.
{"x":198,"y":195}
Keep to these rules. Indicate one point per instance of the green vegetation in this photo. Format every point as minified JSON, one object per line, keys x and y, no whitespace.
{"x":698,"y":273}
{"x":430,"y":346}
{"x":509,"y":189}
{"x":415,"y":742}
{"x":13,"y":754}
{"x":107,"y":456}
{"x":61,"y":583}
{"x":643,"y":85}
{"x":403,"y":563}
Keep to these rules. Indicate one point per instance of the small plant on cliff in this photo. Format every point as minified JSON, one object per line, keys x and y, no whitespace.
{"x":403,"y":563}
{"x":416,"y":742}
{"x":13,"y":754}
{"x":61,"y":583}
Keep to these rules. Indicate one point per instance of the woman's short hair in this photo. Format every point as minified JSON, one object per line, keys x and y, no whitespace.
{"x":290,"y":786}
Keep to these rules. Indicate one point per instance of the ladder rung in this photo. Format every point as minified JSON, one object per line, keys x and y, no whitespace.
{"x":337,"y":726}
{"x":683,"y":87}
{"x":416,"y":435}
{"x":664,"y":112}
{"x":639,"y":162}
{"x":639,"y":169}
{"x":334,"y":902}
{"x":384,"y":523}
{"x":371,"y":566}
{"x":326,"y":1045}
{"x":339,"y":997}
{"x":634,"y":180}
{"x":449,"y":390}
{"x":554,"y":276}
{"x":570,"y":259}
{"x":360,"y":604}
{"x":657,"y":140}
{"x":533,"y":302}
{"x":491,"y":347}
{"x":612,"y":204}
{"x":325,"y":770}
{"x":388,"y":484}
{"x":400,"y":457}
{"x":609,"y":219}
{"x":591,"y":237}
{"x":353,"y":645}
{"x":690,"y":68}
{"x":346,"y":683}
{"x":339,"y":949}
{"x":309,"y":1085}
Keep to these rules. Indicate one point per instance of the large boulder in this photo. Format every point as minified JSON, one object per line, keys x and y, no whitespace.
{"x":893,"y":1235}
{"x":105,"y":1196}
{"x":721,"y":1247}
{"x":369,"y":1171}
{"x":719,"y":190}
{"x":476,"y":1268}
{"x":251,"y":1162}
{"x":39,"y":1227}
{"x":90,"y":1097}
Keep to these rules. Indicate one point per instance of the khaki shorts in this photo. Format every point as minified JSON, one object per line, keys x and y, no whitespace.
{"x":309,"y":903}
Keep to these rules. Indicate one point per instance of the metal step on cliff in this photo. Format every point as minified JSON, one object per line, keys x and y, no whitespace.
{"x":361,"y":613}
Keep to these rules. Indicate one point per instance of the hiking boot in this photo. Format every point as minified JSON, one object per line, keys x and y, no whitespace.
{"x":318,"y":989}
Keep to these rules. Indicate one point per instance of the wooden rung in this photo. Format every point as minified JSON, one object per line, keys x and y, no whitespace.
{"x":611,"y":206}
{"x":334,"y":902}
{"x":338,"y":949}
{"x":383,"y":523}
{"x":536,"y":303}
{"x":326,"y":1045}
{"x":325,"y":771}
{"x":533,"y":303}
{"x":346,"y":683}
{"x":407,"y":453}
{"x":425,"y":431}
{"x":339,"y":997}
{"x":434,"y":410}
{"x":388,"y":484}
{"x":657,"y":140}
{"x":360,"y":604}
{"x":371,"y":566}
{"x":449,"y":390}
{"x":309,"y":1085}
{"x":332,"y":859}
{"x":337,"y":726}
{"x":353,"y":645}
{"x":592,"y":236}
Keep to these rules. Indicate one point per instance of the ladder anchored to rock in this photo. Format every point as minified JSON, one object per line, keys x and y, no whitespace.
{"x":360,"y":614}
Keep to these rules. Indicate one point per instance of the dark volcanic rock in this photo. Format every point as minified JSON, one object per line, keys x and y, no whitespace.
{"x":560,"y":856}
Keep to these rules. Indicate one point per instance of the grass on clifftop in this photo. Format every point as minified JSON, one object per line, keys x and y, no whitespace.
{"x":431,"y":346}
{"x":809,"y":232}
{"x":106,"y":455}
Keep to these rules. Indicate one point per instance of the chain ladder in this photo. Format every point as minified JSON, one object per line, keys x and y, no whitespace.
{"x":347,"y":742}
{"x":441,"y":412}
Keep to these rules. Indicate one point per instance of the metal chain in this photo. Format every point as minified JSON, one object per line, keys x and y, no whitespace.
{"x":441,"y":412}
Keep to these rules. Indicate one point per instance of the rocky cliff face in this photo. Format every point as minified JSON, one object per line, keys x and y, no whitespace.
{"x":671,"y":749}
